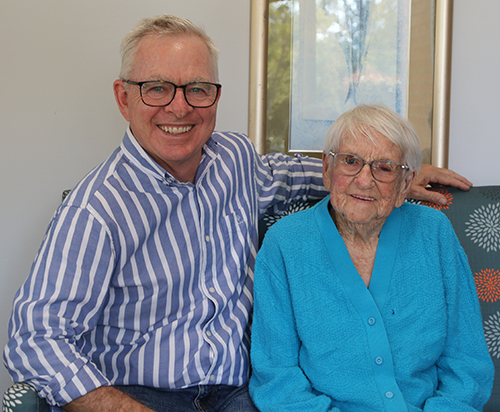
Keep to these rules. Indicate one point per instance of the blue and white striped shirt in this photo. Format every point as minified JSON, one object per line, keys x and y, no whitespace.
{"x":145,"y":280}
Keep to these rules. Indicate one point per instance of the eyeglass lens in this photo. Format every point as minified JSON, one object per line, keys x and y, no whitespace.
{"x":162,"y":93}
{"x":382,"y":170}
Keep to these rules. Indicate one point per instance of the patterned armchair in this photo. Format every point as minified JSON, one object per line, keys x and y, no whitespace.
{"x":475,"y":216}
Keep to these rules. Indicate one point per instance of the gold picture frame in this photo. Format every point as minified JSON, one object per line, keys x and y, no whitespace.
{"x":440,"y":115}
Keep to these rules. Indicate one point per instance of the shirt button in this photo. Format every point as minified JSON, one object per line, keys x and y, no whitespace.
{"x":207,"y":238}
{"x":379,"y":360}
{"x":372,"y":321}
{"x":209,"y":333}
{"x":212,"y":290}
{"x":389,"y":395}
{"x":212,"y":378}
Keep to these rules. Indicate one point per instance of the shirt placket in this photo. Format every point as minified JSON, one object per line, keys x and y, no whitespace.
{"x":207,"y":263}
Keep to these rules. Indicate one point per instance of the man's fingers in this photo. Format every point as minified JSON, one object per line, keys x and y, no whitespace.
{"x":444,"y":177}
{"x":420,"y":193}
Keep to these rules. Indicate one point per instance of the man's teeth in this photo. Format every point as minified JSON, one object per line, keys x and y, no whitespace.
{"x":176,"y":130}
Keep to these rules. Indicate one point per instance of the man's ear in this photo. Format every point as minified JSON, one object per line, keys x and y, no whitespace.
{"x":218,"y":96}
{"x":121,"y":97}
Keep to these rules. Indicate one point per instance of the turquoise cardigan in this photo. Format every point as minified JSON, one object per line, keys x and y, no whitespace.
{"x":323,"y":341}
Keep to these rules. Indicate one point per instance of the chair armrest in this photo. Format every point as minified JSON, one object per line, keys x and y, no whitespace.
{"x":22,"y":397}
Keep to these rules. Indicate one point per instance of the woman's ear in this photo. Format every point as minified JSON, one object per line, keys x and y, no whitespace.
{"x":405,"y":187}
{"x":327,"y":181}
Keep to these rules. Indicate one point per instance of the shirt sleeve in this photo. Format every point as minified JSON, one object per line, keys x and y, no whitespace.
{"x":465,"y":369}
{"x":59,"y":302}
{"x":283,"y":180}
{"x":278,"y":384}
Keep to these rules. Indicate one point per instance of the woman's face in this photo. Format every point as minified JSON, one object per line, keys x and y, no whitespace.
{"x":361,"y":199}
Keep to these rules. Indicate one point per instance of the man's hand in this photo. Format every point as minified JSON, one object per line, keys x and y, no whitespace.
{"x":434,"y":175}
{"x":105,"y":399}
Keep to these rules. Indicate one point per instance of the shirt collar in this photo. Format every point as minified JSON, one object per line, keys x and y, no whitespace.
{"x":138,"y":156}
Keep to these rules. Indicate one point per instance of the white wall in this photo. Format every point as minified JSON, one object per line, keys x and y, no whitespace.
{"x":58,"y":118}
{"x":475,"y":92}
{"x":58,"y":60}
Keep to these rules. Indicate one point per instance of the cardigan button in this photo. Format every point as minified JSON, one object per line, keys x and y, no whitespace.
{"x":379,"y":360}
{"x":372,"y":321}
{"x":389,"y":395}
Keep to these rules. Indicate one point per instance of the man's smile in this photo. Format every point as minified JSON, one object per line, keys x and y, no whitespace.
{"x":175,"y":130}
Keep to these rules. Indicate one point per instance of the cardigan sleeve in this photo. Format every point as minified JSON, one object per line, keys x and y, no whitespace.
{"x":278,"y":383}
{"x":465,"y":369}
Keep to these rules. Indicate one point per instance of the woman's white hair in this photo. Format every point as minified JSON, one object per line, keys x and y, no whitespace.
{"x":370,"y":120}
{"x":164,"y":25}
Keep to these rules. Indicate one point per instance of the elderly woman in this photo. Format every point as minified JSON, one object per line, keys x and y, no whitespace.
{"x":364,"y":302}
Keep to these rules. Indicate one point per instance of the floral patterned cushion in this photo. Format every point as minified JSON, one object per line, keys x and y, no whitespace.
{"x":23,"y":397}
{"x":475,"y":216}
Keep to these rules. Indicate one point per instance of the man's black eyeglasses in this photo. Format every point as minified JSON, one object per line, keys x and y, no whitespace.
{"x":159,"y":93}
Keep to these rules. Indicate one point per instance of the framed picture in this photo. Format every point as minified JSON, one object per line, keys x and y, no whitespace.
{"x":311,"y":60}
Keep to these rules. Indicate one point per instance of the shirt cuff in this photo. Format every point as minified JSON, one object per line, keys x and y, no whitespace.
{"x":77,"y":379}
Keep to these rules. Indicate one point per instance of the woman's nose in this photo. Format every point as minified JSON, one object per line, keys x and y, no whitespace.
{"x":365,"y":177}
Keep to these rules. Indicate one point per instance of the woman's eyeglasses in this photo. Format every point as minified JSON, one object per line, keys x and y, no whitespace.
{"x":383,"y":170}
